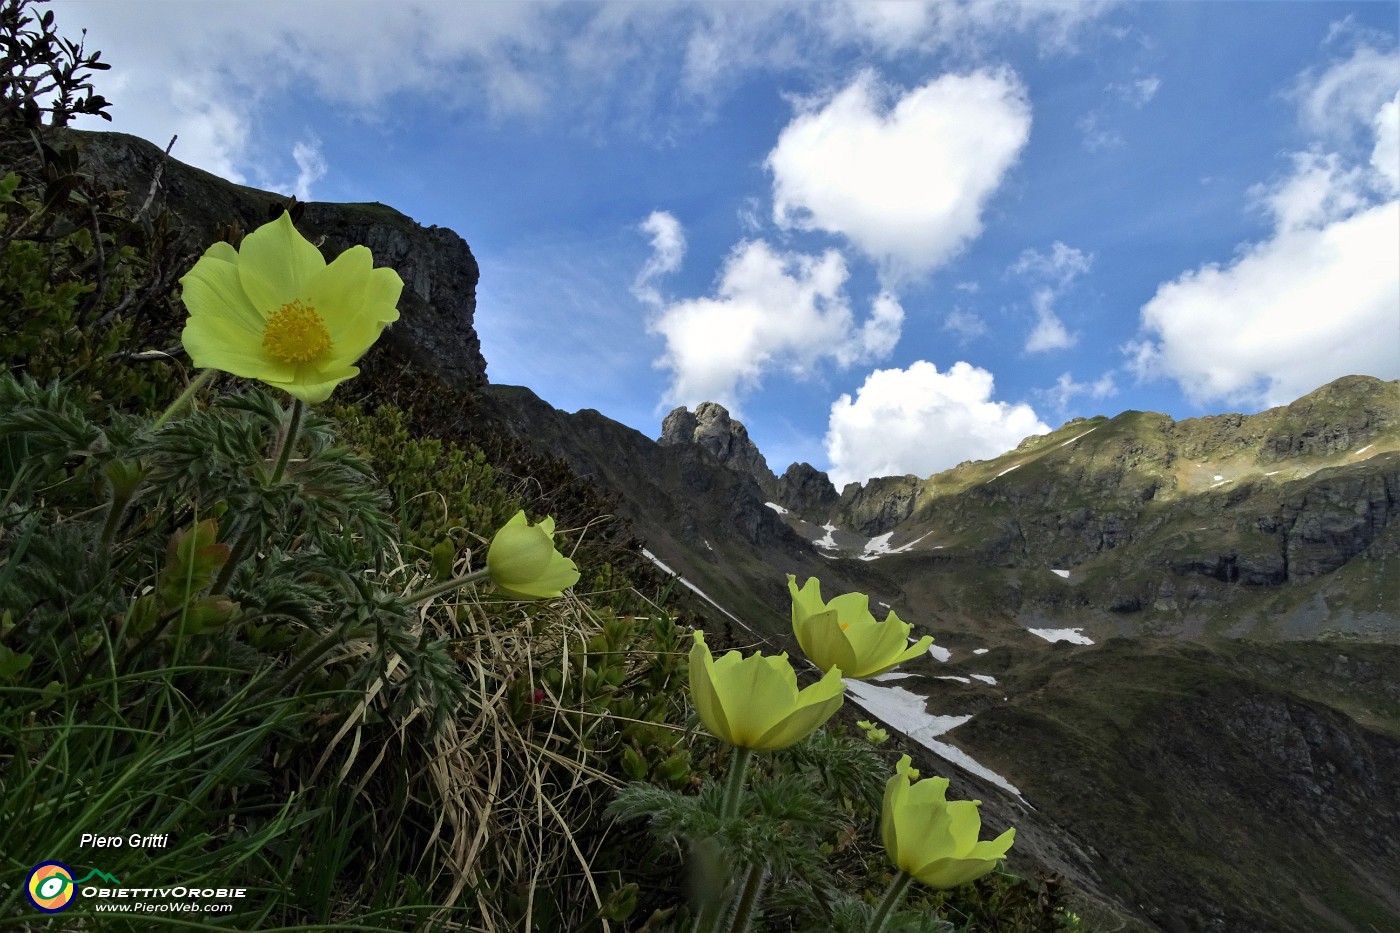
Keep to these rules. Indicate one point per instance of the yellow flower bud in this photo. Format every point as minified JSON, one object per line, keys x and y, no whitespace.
{"x":754,"y":702}
{"x":843,"y":634}
{"x":523,"y":562}
{"x":932,"y":838}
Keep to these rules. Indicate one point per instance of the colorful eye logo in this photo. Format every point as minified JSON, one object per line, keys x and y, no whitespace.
{"x":50,"y":887}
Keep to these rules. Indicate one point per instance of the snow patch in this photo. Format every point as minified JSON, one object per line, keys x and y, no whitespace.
{"x":879,"y":545}
{"x":1073,"y":439}
{"x":961,"y":680}
{"x":776,"y":508}
{"x":938,"y":651}
{"x":1074,"y":636}
{"x":1002,"y":473}
{"x":906,"y":712}
{"x":1363,"y":450}
{"x":692,"y":587}
{"x":1062,"y":573}
{"x":828,"y":541}
{"x":985,"y":678}
{"x":980,"y":650}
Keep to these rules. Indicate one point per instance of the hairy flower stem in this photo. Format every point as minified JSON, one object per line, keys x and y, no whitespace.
{"x":287,"y":441}
{"x":204,"y":376}
{"x":303,"y":664}
{"x":709,"y":918}
{"x":893,"y":895}
{"x":749,"y":898}
{"x":734,"y":782}
{"x":281,"y":453}
{"x":446,"y":586}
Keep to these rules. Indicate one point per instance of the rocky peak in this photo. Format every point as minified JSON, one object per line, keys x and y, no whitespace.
{"x":807,"y":491}
{"x":712,"y":429}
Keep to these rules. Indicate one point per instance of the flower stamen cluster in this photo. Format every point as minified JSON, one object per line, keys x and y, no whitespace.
{"x":295,"y":333}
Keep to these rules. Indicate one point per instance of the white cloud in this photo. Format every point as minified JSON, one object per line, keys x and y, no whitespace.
{"x":1321,"y":297}
{"x":1094,"y":135}
{"x":771,"y":311}
{"x":667,"y":251}
{"x":646,"y":66}
{"x":1066,"y":390}
{"x":905,"y":180}
{"x":1060,"y":266}
{"x":1057,"y":270}
{"x":963,"y":24}
{"x":1049,"y":332}
{"x":1385,"y":157}
{"x":1137,"y":93}
{"x":311,"y":167}
{"x":1343,"y":99}
{"x":1318,"y":191}
{"x":1291,"y":314}
{"x":921,"y":421}
{"x":966,"y":324}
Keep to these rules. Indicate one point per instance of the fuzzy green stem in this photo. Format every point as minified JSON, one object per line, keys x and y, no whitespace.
{"x":287,"y":441}
{"x":893,"y":895}
{"x":748,"y":899}
{"x":446,"y":586}
{"x":281,"y":453}
{"x":235,"y":557}
{"x":302,"y":664}
{"x":199,"y":381}
{"x":734,"y":782}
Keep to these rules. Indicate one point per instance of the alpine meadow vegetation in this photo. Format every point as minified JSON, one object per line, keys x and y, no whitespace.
{"x":378,"y":671}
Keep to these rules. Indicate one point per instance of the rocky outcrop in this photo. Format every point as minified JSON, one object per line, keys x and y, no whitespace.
{"x":712,"y":430}
{"x":807,"y":491}
{"x":435,"y":328}
{"x":880,"y":504}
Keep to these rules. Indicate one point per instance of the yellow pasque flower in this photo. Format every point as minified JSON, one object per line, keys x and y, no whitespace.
{"x":273,"y":310}
{"x":932,"y":838}
{"x":843,"y":633}
{"x":754,"y":702}
{"x":523,"y":562}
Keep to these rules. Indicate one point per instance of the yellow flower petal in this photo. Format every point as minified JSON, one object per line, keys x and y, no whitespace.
{"x":276,"y":263}
{"x":212,"y":288}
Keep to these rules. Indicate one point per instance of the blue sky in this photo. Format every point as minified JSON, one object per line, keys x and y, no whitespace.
{"x":889,"y":236}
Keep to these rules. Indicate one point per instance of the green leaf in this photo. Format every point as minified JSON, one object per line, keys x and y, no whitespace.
{"x":633,"y":764}
{"x":12,"y":663}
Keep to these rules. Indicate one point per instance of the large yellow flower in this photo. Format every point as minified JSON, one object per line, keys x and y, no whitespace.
{"x":843,"y":633}
{"x":273,"y":310}
{"x":932,"y":838}
{"x":754,"y":702}
{"x":524,"y":563}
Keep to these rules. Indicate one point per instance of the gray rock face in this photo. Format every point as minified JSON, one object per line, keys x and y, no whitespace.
{"x":879,"y":505}
{"x":712,"y":430}
{"x":807,"y":491}
{"x":678,"y":428}
{"x":435,"y":328}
